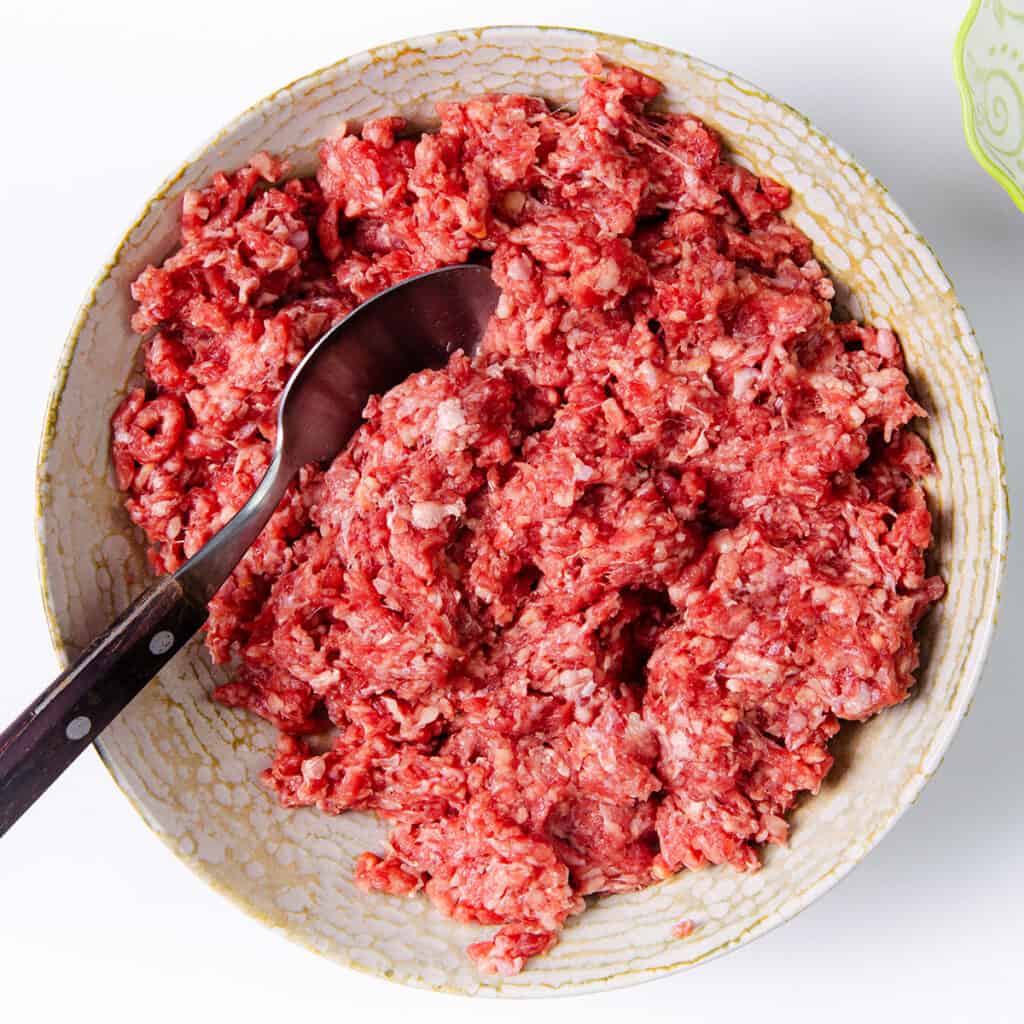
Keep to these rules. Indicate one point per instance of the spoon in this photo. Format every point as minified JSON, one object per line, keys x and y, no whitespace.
{"x":413,"y":326}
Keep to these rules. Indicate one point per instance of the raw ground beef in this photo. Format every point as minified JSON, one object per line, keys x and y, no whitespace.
{"x":586,"y":610}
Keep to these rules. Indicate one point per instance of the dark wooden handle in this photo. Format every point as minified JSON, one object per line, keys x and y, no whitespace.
{"x":38,"y":745}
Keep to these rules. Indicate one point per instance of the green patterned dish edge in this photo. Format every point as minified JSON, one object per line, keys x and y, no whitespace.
{"x":988,"y":62}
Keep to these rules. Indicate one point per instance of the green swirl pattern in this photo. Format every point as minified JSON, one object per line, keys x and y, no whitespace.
{"x":1003,"y":9}
{"x":989,"y":65}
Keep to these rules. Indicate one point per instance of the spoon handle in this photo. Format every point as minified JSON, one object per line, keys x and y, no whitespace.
{"x":38,"y":745}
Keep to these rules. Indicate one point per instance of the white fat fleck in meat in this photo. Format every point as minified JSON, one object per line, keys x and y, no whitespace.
{"x":519,"y":268}
{"x":426,"y":515}
{"x":648,"y":374}
{"x":577,"y":683}
{"x":743,"y":379}
{"x":581,"y":471}
{"x":607,"y":277}
{"x":313,"y":769}
{"x":450,"y":415}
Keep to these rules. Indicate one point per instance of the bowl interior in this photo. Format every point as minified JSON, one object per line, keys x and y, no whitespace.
{"x":191,"y":766}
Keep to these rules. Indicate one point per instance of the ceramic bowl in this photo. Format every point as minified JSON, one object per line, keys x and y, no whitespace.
{"x":989,"y":67}
{"x":191,"y":766}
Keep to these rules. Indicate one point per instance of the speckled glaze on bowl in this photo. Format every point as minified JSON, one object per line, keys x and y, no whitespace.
{"x":191,"y":767}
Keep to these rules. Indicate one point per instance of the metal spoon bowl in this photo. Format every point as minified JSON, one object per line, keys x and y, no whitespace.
{"x":415,"y":325}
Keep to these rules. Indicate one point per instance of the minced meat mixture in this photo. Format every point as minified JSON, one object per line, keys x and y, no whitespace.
{"x":585,"y":610}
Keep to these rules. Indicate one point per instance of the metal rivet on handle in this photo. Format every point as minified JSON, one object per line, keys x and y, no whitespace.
{"x":161,"y":642}
{"x":78,"y":728}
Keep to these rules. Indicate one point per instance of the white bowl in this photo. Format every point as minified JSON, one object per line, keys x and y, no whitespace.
{"x":190,"y":766}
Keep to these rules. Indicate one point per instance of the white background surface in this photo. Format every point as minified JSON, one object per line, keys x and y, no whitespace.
{"x":97,"y":920}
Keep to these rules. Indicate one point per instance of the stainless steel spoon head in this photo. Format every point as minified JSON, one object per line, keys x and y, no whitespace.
{"x":413,"y":326}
